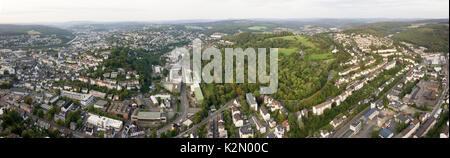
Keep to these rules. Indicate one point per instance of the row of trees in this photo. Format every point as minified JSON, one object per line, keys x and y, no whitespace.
{"x":17,"y":125}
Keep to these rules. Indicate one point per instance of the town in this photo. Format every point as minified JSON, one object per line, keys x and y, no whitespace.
{"x":127,"y":83}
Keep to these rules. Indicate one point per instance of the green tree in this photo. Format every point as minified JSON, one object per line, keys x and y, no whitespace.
{"x":28,"y":100}
{"x":40,"y":113}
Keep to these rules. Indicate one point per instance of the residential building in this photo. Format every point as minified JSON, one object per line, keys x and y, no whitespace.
{"x":251,"y":101}
{"x":104,"y":122}
{"x":246,"y":132}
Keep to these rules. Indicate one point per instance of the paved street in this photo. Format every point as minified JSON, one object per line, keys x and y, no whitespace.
{"x":206,"y":120}
{"x":183,"y":110}
{"x":342,"y":129}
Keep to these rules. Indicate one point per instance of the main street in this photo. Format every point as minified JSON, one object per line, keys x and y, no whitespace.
{"x":342,"y":129}
{"x":207,"y":119}
{"x":183,"y":110}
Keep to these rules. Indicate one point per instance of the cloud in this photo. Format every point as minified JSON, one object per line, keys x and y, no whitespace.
{"x":150,"y":10}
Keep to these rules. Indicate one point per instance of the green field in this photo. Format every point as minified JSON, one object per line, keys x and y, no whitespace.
{"x":258,"y":28}
{"x":299,"y":39}
{"x":287,"y":51}
{"x":296,"y":43}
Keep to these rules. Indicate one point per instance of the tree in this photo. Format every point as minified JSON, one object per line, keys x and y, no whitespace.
{"x":28,"y":100}
{"x":79,"y":122}
{"x":154,"y":135}
{"x":40,"y":113}
{"x":375,"y":134}
{"x":101,"y":134}
{"x":60,"y":122}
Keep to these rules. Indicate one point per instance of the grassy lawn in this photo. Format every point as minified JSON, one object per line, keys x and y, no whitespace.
{"x":287,"y":51}
{"x":299,"y":39}
{"x":296,"y":41}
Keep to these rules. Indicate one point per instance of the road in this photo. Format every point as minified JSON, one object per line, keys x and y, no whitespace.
{"x":342,"y":129}
{"x":183,"y":110}
{"x":72,"y":40}
{"x":438,"y":103}
{"x":206,"y":120}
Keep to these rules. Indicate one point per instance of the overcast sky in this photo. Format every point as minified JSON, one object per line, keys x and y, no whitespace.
{"x":26,"y":11}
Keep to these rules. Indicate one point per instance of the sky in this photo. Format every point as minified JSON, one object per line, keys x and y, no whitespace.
{"x":30,"y":11}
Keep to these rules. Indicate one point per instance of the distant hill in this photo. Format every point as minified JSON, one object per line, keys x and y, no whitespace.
{"x":432,"y":34}
{"x":8,"y":29}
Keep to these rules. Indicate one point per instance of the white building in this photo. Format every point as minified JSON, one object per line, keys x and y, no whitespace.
{"x":264,"y":113}
{"x":318,"y":109}
{"x":251,"y":101}
{"x":85,"y":99}
{"x":390,"y":65}
{"x":104,"y":122}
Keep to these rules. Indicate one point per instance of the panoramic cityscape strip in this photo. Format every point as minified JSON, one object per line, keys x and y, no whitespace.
{"x":102,"y":76}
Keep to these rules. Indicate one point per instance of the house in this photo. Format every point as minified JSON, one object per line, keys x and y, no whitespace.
{"x":251,"y":101}
{"x":148,"y":119}
{"x":272,"y":123}
{"x":187,"y":122}
{"x":235,"y":110}
{"x":348,"y":70}
{"x":116,"y":97}
{"x":85,"y":99}
{"x":304,"y":113}
{"x":60,"y":116}
{"x":272,"y":104}
{"x":259,"y":126}
{"x":73,"y":126}
{"x":372,"y":113}
{"x":97,"y":94}
{"x":119,"y":108}
{"x":84,"y":90}
{"x":390,"y":65}
{"x":279,"y":131}
{"x":424,"y":116}
{"x":53,"y":99}
{"x":237,"y":120}
{"x":319,"y":109}
{"x":46,"y":107}
{"x":223,"y":133}
{"x":408,"y":131}
{"x":17,"y":91}
{"x":385,"y":133}
{"x":285,"y":125}
{"x":425,"y":127}
{"x":337,"y":121}
{"x":401,"y":118}
{"x":298,"y":115}
{"x":264,"y":113}
{"x":324,"y":133}
{"x":246,"y":132}
{"x":271,"y":135}
{"x":67,"y":107}
{"x":104,"y":122}
{"x":355,"y":126}
{"x":100,"y":104}
{"x":25,"y":107}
